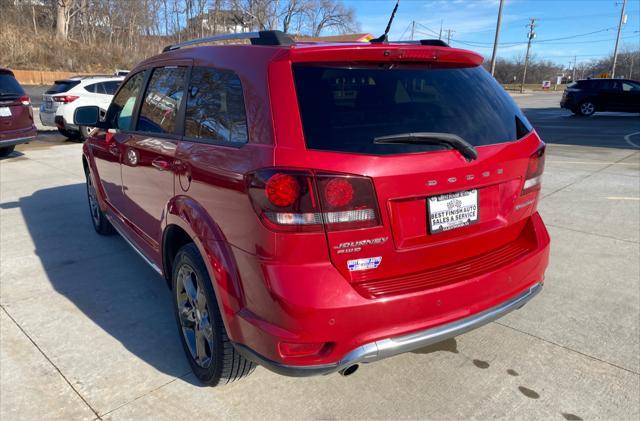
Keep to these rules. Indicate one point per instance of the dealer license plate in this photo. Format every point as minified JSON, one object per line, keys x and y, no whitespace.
{"x":452,"y":210}
{"x":5,"y":112}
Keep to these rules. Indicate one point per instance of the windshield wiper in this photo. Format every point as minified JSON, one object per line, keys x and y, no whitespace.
{"x":432,"y":138}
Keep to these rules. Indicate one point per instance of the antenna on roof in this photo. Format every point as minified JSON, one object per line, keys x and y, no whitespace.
{"x":384,"y":39}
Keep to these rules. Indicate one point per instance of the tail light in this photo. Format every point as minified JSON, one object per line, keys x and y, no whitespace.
{"x":65,"y":99}
{"x":25,"y":100}
{"x":533,"y":179}
{"x":295,"y":200}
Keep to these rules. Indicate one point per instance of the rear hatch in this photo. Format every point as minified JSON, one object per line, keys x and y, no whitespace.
{"x":15,"y":108}
{"x":57,"y":90}
{"x":443,"y":217}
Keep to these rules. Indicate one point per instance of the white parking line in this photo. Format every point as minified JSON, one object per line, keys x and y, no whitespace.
{"x":636,"y":199}
{"x":629,"y":141}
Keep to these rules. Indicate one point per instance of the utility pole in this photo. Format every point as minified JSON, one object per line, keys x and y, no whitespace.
{"x":449,"y":32}
{"x":495,"y":41}
{"x":615,"y":50}
{"x":440,"y":36}
{"x":573,"y":77}
{"x":530,"y":36}
{"x":413,"y":28}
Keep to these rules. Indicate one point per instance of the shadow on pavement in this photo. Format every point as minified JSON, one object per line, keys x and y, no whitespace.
{"x":103,"y":278}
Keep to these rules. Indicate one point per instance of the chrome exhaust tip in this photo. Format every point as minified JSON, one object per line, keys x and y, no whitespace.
{"x":349,"y":370}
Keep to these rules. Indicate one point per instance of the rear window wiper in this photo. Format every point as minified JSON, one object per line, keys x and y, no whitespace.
{"x":432,"y":138}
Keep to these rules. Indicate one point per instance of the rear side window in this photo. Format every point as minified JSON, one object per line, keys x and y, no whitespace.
{"x":61,"y":86}
{"x":95,"y":88}
{"x":345,"y":108}
{"x":162,"y":100}
{"x":9,"y":86}
{"x":110,"y":88}
{"x":121,"y":110}
{"x":215,"y":107}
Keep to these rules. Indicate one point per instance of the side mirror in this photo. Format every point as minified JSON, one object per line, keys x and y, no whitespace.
{"x":87,"y":116}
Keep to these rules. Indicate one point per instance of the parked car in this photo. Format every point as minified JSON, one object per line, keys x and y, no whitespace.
{"x":16,"y":114}
{"x":317,"y":206}
{"x":61,"y":100}
{"x":585,"y":97}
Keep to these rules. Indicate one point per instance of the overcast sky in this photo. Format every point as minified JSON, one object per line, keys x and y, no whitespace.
{"x":589,"y":26}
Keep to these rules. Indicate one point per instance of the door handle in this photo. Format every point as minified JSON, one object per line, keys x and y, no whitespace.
{"x":161,"y":164}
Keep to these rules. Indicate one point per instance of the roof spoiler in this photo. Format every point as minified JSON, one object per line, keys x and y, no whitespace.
{"x":256,"y":38}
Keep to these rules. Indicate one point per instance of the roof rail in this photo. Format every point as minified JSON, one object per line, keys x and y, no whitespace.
{"x":257,"y":38}
{"x":433,"y":42}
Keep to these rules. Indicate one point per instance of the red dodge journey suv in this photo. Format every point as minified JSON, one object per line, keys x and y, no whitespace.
{"x":315,"y":206}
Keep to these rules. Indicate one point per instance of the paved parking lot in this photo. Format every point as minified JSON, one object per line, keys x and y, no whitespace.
{"x":87,"y":331}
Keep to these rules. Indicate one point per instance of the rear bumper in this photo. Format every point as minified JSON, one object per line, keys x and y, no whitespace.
{"x":314,"y":304}
{"x":47,"y":118}
{"x":17,"y":137}
{"x":389,"y":347}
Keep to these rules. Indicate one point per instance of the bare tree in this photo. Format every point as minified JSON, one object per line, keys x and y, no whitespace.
{"x":330,"y":14}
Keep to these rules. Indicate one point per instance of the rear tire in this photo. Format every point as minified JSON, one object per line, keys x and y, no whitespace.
{"x":586,"y":108}
{"x":69,"y":134}
{"x":99,"y":220}
{"x":212,"y":357}
{"x":6,"y":151}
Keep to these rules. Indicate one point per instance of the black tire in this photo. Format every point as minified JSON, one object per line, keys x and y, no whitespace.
{"x":586,"y":108}
{"x":100,"y":222}
{"x":69,"y":134}
{"x":221,"y":364}
{"x":6,"y":151}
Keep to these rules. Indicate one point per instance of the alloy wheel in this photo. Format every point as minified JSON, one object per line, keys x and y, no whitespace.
{"x":94,"y":209}
{"x":587,"y":108}
{"x":194,"y":316}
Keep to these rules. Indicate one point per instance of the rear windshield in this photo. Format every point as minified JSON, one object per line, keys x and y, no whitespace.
{"x":9,"y":86}
{"x":62,"y":86}
{"x":345,"y":108}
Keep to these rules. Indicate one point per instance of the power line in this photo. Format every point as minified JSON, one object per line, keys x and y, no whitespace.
{"x":509,"y":43}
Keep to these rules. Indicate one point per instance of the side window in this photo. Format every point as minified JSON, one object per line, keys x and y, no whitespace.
{"x":121,"y":109}
{"x":110,"y":88}
{"x":91,"y":88}
{"x":630,"y":87}
{"x":215,"y":107}
{"x":162,"y":100}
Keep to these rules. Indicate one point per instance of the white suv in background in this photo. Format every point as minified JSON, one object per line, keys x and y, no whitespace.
{"x":61,"y":100}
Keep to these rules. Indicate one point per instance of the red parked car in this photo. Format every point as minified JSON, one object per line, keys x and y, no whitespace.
{"x":16,"y":114}
{"x":318,"y":206}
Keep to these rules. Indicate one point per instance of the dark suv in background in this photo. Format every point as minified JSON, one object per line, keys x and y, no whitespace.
{"x":585,"y":97}
{"x":16,"y":115}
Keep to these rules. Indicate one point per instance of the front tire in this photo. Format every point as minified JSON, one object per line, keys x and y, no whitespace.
{"x":212,"y":357}
{"x":99,"y":220}
{"x":6,"y":151}
{"x":586,"y":108}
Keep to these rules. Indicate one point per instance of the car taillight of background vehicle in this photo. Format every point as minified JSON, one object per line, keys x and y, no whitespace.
{"x":533,"y":179}
{"x":65,"y":99}
{"x":298,"y":200}
{"x":25,"y":100}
